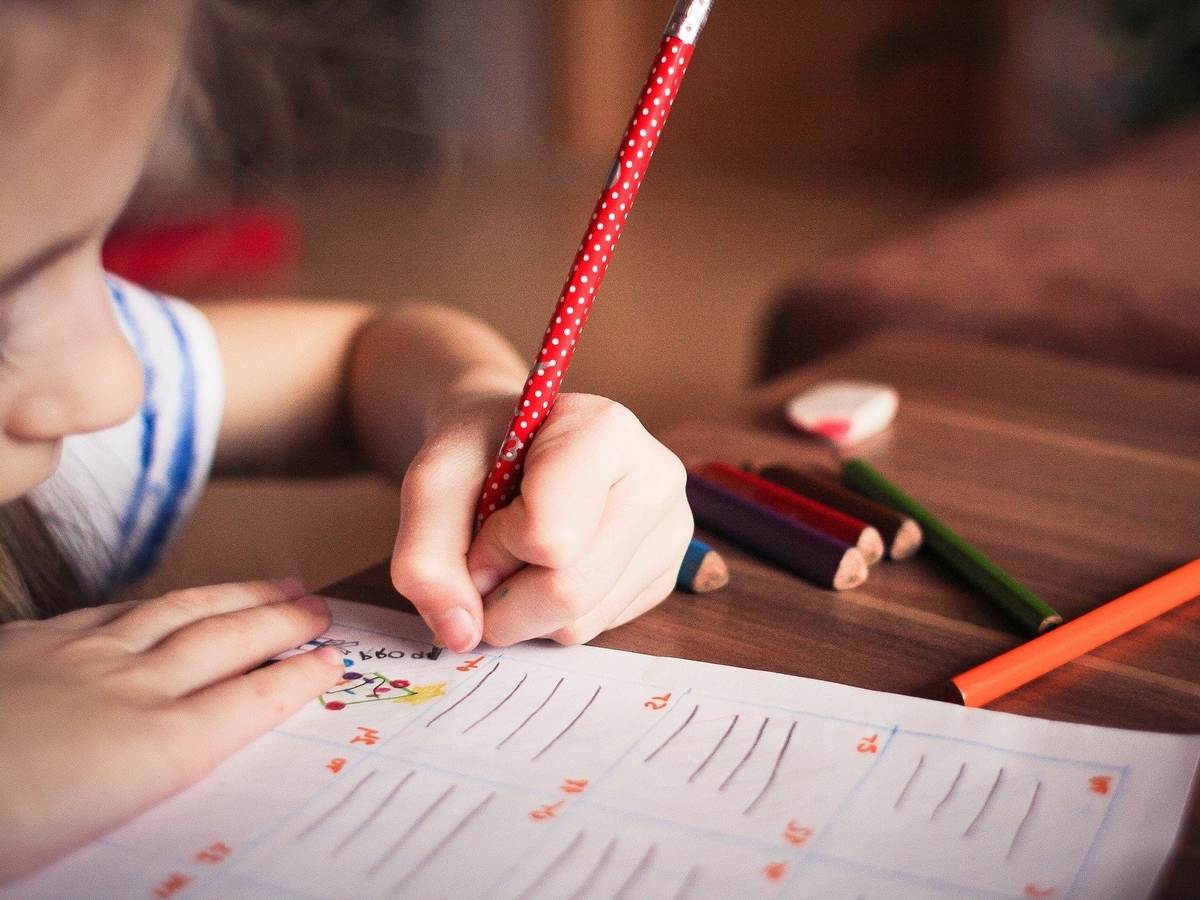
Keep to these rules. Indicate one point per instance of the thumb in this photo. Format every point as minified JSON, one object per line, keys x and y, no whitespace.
{"x":492,"y":558}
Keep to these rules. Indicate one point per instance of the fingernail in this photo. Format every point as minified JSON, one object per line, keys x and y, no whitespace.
{"x":485,"y":580}
{"x":457,"y":629}
{"x":331,"y":655}
{"x":315,"y":605}
{"x":293,"y":588}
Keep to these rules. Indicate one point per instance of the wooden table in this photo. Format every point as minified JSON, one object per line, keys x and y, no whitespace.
{"x":1081,"y":481}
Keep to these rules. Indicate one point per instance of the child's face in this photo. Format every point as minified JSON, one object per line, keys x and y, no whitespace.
{"x":82,"y":85}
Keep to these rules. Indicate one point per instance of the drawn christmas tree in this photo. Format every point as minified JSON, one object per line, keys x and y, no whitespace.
{"x":375,"y":687}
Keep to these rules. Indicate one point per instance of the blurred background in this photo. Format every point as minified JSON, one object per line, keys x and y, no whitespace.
{"x":451,"y":150}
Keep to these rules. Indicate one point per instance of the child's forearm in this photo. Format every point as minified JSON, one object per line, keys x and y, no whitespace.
{"x":315,"y":387}
{"x":414,"y":367}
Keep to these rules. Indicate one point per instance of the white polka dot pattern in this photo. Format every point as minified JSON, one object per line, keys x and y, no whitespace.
{"x":587,"y":272}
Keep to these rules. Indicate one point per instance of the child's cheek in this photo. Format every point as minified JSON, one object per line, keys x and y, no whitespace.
{"x":23,"y":466}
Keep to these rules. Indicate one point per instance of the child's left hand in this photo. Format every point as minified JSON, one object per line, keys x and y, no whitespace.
{"x":111,"y":709}
{"x":594,"y":539}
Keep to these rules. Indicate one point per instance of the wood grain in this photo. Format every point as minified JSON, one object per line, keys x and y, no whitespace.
{"x":1082,"y":481}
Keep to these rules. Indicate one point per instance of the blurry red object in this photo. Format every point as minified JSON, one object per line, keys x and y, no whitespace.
{"x":203,"y":251}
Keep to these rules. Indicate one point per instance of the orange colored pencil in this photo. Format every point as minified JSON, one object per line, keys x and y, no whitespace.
{"x":1036,"y":657}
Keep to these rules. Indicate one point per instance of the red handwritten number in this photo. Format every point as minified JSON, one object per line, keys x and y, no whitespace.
{"x":470,"y":664}
{"x":173,"y":885}
{"x":214,"y":854}
{"x":658,"y":702}
{"x":867,"y":744}
{"x":547,"y":811}
{"x":369,"y":736}
{"x":1100,"y":784}
{"x":1032,"y":890}
{"x":796,"y":835}
{"x":775,"y":871}
{"x":573,"y":786}
{"x":335,"y":765}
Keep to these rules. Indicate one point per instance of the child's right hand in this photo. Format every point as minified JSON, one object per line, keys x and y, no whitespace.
{"x":112,"y":709}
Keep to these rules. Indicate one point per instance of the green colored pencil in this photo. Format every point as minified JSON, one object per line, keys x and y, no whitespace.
{"x":1016,"y":599}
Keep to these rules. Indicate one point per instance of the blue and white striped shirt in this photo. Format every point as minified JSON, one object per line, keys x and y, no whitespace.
{"x":120,"y":496}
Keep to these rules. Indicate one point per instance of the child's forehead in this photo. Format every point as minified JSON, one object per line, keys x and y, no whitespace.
{"x":81,"y":88}
{"x":46,"y":44}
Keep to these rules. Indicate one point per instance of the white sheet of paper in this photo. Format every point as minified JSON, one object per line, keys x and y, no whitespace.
{"x":546,"y":773}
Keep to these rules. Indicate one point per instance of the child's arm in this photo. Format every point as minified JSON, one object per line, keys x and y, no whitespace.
{"x":601,"y":524}
{"x":112,"y":709}
{"x":313,"y":387}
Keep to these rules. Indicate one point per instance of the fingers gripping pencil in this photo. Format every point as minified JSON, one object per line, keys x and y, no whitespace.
{"x":595,"y":251}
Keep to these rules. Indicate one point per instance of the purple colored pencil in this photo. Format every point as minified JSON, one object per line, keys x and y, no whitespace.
{"x":820,"y":558}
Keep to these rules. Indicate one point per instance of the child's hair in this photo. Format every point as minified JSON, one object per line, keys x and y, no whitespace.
{"x":36,"y":579}
{"x":271,"y":84}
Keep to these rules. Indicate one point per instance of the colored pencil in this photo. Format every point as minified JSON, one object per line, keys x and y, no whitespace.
{"x":592,"y":259}
{"x":800,"y":548}
{"x":1034,"y":615}
{"x":702,"y":570}
{"x":900,"y":533}
{"x":853,"y":531}
{"x":1035,"y":658}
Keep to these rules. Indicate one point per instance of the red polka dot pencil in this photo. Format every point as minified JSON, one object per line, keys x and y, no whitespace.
{"x":591,"y":261}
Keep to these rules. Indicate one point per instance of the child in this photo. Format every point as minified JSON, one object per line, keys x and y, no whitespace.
{"x":109,"y":709}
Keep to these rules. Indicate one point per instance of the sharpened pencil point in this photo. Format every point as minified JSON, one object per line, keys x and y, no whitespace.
{"x":1049,"y":622}
{"x":852,"y":572}
{"x":712,"y":575}
{"x":702,"y":569}
{"x":870,"y":545}
{"x":908,"y":540}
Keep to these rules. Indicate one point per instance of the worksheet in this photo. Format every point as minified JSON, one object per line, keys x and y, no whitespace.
{"x":547,"y":773}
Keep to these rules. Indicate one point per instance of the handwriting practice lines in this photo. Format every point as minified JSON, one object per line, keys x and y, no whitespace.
{"x":967,"y":816}
{"x":546,"y":773}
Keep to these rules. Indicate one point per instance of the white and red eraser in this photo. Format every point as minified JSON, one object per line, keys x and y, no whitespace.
{"x":845,"y":412}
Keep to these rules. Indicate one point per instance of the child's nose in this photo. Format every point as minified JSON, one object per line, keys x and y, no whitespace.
{"x":89,"y":379}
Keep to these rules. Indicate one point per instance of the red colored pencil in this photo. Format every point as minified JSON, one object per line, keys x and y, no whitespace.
{"x":803,"y":509}
{"x":591,"y":260}
{"x":900,"y":534}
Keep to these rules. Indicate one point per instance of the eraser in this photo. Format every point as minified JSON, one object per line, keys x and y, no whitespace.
{"x":845,"y":412}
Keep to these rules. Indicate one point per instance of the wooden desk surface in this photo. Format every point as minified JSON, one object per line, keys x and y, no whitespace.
{"x":1082,"y":481}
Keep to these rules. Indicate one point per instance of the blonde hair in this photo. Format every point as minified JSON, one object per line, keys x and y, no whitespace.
{"x":36,"y":578}
{"x":15,"y":600}
{"x":270,"y":85}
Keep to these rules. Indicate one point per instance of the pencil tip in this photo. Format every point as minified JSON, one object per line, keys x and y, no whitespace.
{"x":712,"y":575}
{"x":1049,"y":622}
{"x":870,"y":545}
{"x":851,"y":572}
{"x":908,"y":540}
